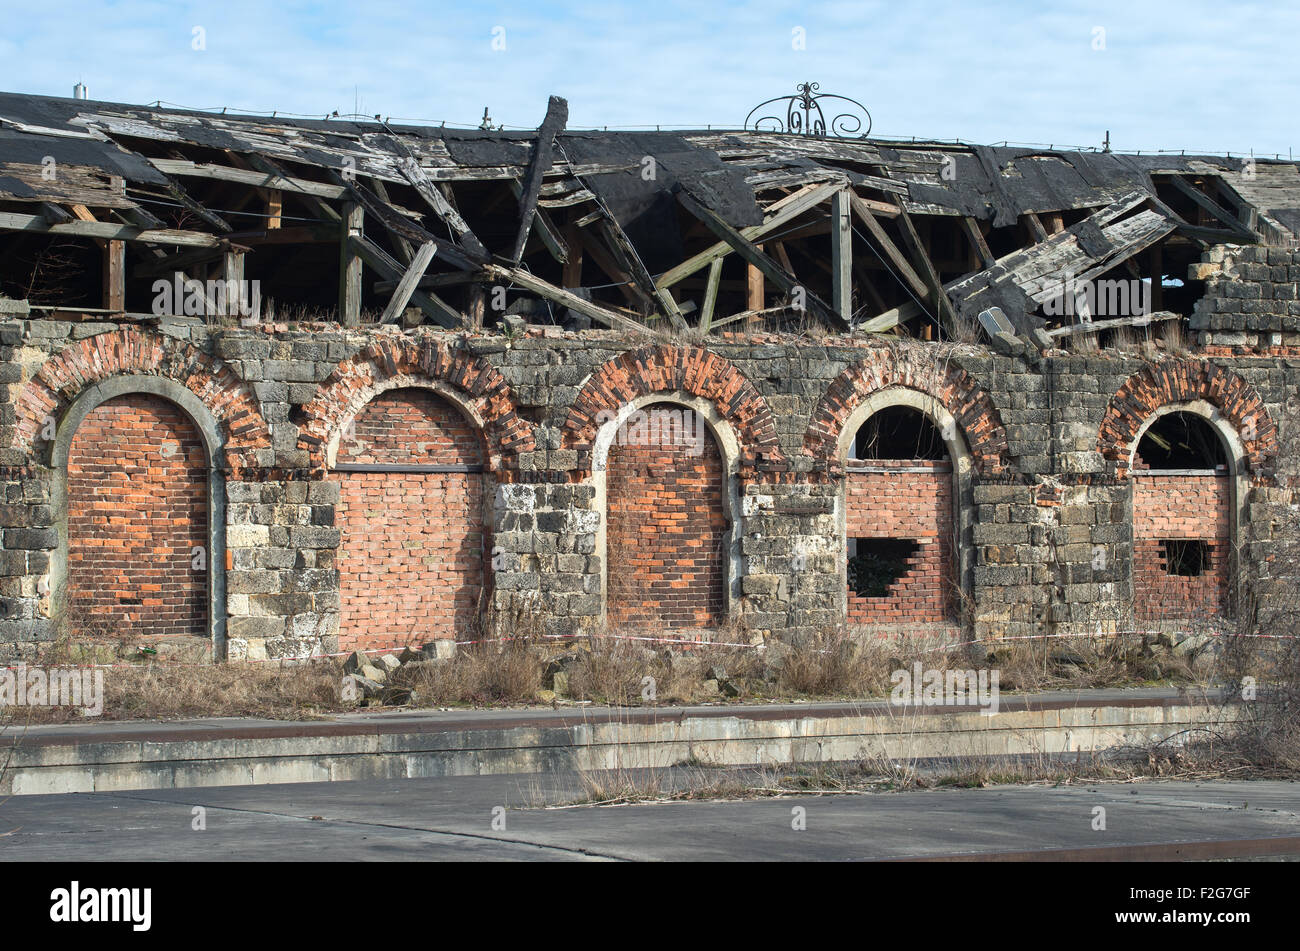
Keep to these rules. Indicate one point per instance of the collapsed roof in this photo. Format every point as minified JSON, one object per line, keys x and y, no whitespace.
{"x":711,"y":229}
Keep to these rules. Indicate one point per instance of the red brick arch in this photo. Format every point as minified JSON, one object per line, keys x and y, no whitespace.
{"x":132,"y":351}
{"x":1181,"y":381}
{"x":952,"y":387}
{"x":693,"y":370}
{"x":401,"y":361}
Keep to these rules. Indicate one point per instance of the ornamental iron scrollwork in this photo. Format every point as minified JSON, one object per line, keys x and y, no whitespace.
{"x":804,"y":115}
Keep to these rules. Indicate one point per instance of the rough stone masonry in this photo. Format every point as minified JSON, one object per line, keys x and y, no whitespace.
{"x":285,"y":491}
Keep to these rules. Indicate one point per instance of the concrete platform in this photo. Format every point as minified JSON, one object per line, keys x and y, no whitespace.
{"x":114,"y":756}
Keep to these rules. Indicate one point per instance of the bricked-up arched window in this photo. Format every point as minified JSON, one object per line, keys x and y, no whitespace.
{"x":137,"y":522}
{"x":412,"y":520}
{"x":1182,"y":521}
{"x":666,"y":525}
{"x":899,"y":521}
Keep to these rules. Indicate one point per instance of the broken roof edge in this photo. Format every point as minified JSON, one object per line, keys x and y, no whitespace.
{"x":358,"y":125}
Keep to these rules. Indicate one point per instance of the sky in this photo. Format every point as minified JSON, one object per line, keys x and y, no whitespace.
{"x":1213,"y":77}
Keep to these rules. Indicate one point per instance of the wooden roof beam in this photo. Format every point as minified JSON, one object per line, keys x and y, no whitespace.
{"x":931,"y":274}
{"x":469,"y":242}
{"x":276,"y":179}
{"x":787,"y":209}
{"x":1230,"y":221}
{"x":110,"y":231}
{"x":557,"y":115}
{"x":407,"y":285}
{"x":746,"y":249}
{"x":541,"y":288}
{"x":623,"y":250}
{"x":977,"y":241}
{"x":377,"y":258}
{"x":896,"y":257}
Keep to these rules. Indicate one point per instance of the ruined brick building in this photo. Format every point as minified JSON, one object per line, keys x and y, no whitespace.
{"x":913,"y":387}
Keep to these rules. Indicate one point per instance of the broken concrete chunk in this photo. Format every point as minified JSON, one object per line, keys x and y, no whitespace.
{"x":1041,"y":338}
{"x":1008,"y":343}
{"x":441,"y":649}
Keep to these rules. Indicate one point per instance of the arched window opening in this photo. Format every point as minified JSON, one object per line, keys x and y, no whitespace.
{"x":899,"y":432}
{"x":1182,"y":522}
{"x":1180,"y":441}
{"x":899,"y":521}
{"x":137,"y":522}
{"x":666,"y":524}
{"x":412,"y":522}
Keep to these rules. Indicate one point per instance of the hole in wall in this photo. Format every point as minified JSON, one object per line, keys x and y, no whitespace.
{"x":1185,"y":557}
{"x":875,"y":565}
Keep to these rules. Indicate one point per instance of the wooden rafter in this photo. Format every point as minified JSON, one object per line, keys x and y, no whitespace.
{"x":377,"y":258}
{"x":787,"y":209}
{"x":109,"y":231}
{"x":1215,"y":210}
{"x":896,"y":257}
{"x":976,"y":236}
{"x":435,"y":199}
{"x":928,"y":270}
{"x":557,"y":114}
{"x":536,"y":285}
{"x":407,"y":285}
{"x":752,"y":255}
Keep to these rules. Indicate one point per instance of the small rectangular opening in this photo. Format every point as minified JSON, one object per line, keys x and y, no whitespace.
{"x":1185,"y":557}
{"x":876,"y":564}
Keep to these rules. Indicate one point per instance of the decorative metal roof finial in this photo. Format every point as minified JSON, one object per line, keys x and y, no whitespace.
{"x":804,"y":115}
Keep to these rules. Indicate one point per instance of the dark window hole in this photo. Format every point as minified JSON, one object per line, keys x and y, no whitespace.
{"x":900,"y":432}
{"x":1186,"y":557}
{"x":1181,"y":441}
{"x":876,"y":564}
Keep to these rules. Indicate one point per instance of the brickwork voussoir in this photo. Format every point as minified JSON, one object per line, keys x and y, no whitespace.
{"x":693,"y":370}
{"x":131,"y":350}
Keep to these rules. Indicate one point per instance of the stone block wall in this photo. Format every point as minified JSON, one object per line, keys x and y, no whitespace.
{"x":1041,"y":533}
{"x":1252,"y":297}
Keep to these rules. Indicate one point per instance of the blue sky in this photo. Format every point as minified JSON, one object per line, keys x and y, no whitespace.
{"x":1196,"y":75}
